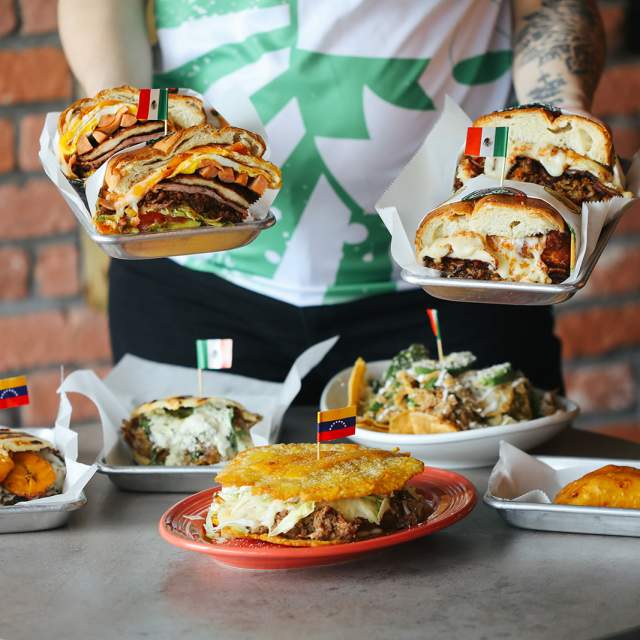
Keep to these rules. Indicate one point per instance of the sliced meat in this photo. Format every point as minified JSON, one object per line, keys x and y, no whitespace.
{"x":234,"y":192}
{"x":325,"y":523}
{"x":115,"y":141}
{"x":457,"y":268}
{"x":557,"y":255}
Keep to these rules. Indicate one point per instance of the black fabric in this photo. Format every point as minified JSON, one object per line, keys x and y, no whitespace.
{"x":157,"y":309}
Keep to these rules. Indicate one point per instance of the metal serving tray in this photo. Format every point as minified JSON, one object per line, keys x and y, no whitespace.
{"x":120,"y":468}
{"x":569,"y":518}
{"x":26,"y":516}
{"x":523,"y":293}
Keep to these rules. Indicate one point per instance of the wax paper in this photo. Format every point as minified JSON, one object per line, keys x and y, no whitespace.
{"x":239,"y":111}
{"x":519,"y":477}
{"x":426,"y":182}
{"x":134,"y":381}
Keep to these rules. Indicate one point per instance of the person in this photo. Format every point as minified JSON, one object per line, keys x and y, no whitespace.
{"x":347,"y":91}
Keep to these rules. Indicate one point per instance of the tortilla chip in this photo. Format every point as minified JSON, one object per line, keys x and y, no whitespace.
{"x":418,"y":422}
{"x":357,"y":382}
{"x":372,"y":425}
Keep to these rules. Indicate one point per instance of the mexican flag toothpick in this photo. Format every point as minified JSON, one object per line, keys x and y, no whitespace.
{"x":488,"y":142}
{"x":435,"y":327}
{"x":153,"y":104}
{"x":215,"y":353}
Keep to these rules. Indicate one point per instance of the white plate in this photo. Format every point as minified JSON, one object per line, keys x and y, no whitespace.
{"x":461,"y":450}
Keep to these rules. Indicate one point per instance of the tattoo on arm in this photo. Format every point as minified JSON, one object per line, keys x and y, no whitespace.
{"x":564,"y":41}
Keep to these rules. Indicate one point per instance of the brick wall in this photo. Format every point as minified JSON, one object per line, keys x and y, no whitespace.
{"x":44,"y":322}
{"x":43,"y":319}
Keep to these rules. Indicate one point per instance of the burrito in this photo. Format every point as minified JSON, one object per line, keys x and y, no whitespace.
{"x":30,"y":467}
{"x":91,"y":130}
{"x":568,"y":153}
{"x":496,"y":237}
{"x":195,"y":177}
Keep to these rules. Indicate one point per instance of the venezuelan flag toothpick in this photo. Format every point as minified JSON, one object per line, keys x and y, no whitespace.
{"x":435,"y":327}
{"x":334,"y":424}
{"x":13,"y":392}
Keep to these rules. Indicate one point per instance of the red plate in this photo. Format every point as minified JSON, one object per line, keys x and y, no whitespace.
{"x":452,"y":496}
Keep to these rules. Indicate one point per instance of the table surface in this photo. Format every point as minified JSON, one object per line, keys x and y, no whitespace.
{"x":108,"y":574}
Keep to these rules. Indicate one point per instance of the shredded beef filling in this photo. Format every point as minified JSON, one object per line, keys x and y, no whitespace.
{"x":578,"y":186}
{"x":325,"y":523}
{"x":556,"y":256}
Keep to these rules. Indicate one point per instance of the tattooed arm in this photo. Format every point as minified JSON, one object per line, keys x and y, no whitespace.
{"x":558,"y":50}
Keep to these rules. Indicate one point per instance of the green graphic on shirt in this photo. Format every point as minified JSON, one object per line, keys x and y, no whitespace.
{"x":172,"y":13}
{"x":329,"y":92}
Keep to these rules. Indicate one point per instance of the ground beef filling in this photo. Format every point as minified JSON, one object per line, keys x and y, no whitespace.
{"x":325,"y":523}
{"x":556,"y":256}
{"x":578,"y":186}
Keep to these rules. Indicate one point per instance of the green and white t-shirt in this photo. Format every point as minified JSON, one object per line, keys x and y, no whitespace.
{"x":347,"y":90}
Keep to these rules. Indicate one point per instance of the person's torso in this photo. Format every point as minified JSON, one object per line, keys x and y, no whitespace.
{"x":347,"y":90}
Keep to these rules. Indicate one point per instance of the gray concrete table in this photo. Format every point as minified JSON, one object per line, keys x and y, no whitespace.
{"x":108,"y":574}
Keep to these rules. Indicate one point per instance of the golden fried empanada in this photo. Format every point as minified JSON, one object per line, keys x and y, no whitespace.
{"x":610,"y":486}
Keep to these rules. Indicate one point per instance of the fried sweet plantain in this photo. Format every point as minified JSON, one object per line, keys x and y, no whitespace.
{"x":6,"y":464}
{"x":609,"y":486}
{"x":286,"y":471}
{"x":31,"y":477}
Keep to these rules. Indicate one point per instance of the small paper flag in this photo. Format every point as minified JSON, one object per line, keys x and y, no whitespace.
{"x":216,"y":353}
{"x":433,"y":319}
{"x":487,"y":142}
{"x":153,"y":104}
{"x":13,"y":392}
{"x":336,"y":423}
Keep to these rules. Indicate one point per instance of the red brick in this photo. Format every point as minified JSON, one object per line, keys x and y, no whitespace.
{"x":14,"y":267}
{"x":630,"y":221}
{"x":626,"y":141}
{"x":7,"y":154}
{"x":33,"y":75}
{"x":7,"y":17}
{"x":629,"y":430}
{"x":35,"y":209}
{"x":44,"y":338}
{"x":39,"y":16}
{"x":30,"y":128}
{"x":43,"y":407}
{"x":56,"y":271}
{"x":619,"y":91}
{"x":613,"y":19}
{"x":608,"y":387}
{"x":617,"y":271}
{"x":599,"y":330}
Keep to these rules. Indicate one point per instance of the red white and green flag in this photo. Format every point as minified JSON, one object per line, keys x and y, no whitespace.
{"x":216,"y":353}
{"x":153,"y":104}
{"x":433,"y":319}
{"x":487,"y":142}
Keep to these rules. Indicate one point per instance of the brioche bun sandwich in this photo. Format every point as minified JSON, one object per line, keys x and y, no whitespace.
{"x":187,"y":431}
{"x":195,"y":177}
{"x":496,"y":237}
{"x":568,"y":153}
{"x":91,"y":130}
{"x":284,"y":495}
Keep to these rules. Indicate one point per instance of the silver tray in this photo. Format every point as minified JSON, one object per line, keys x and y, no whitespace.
{"x":120,"y":468}
{"x":569,"y":518}
{"x":26,"y":516}
{"x":164,"y":244}
{"x":523,"y":293}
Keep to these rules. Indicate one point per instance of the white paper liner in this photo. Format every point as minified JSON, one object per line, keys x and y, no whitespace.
{"x":426,"y":182}
{"x":66,"y":441}
{"x":519,"y":477}
{"x":134,"y":381}
{"x":239,"y":111}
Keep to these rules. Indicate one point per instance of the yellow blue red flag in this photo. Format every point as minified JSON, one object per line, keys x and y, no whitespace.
{"x":336,"y":423}
{"x":13,"y":392}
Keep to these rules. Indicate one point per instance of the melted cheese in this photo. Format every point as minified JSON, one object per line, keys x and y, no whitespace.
{"x":465,"y":245}
{"x":210,"y":425}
